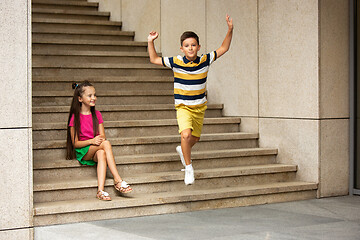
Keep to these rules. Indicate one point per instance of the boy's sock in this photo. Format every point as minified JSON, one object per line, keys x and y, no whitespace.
{"x":189,"y":175}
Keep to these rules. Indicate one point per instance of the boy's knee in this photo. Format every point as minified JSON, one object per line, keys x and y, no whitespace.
{"x":186,"y":135}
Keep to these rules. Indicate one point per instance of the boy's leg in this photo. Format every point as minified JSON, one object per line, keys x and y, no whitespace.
{"x":187,"y":142}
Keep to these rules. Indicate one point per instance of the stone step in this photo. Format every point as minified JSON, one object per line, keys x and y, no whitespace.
{"x":48,"y":98}
{"x":69,"y":14}
{"x":153,"y":144}
{"x":73,"y":57}
{"x":45,"y":114}
{"x":168,"y":181}
{"x":136,"y":128}
{"x":43,"y":24}
{"x":81,"y":34}
{"x":170,"y":202}
{"x":70,"y":5}
{"x":101,"y":70}
{"x":158,"y":162}
{"x":116,"y":83}
{"x":51,"y":45}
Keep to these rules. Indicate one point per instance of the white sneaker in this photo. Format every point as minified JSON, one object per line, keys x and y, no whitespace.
{"x":189,"y":175}
{"x":179,"y":151}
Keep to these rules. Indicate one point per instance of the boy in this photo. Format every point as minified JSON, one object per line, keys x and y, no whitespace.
{"x":190,"y":73}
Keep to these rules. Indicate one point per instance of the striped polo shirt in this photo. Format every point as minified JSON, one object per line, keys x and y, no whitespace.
{"x":190,"y":78}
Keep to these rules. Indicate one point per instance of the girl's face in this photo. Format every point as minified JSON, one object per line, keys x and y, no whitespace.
{"x":88,"y":98}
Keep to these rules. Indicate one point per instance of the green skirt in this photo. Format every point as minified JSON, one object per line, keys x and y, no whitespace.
{"x":80,"y":153}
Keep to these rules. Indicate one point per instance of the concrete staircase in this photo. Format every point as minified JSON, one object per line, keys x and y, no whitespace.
{"x":73,"y":41}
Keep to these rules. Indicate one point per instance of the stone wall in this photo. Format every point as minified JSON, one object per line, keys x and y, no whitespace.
{"x":15,"y":121}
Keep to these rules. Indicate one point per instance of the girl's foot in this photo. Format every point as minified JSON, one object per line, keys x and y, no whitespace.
{"x":122,"y":186}
{"x":102,"y":195}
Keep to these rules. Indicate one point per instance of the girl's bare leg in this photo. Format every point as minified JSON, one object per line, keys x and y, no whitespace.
{"x":111,"y":160}
{"x":106,"y":147}
{"x":100,"y":158}
{"x":187,"y":142}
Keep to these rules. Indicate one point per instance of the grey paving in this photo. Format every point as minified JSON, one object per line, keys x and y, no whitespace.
{"x":327,"y":218}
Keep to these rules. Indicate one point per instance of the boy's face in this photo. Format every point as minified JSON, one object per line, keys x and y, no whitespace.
{"x":190,"y":48}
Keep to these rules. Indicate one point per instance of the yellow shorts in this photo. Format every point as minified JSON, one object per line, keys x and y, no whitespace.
{"x":190,"y":118}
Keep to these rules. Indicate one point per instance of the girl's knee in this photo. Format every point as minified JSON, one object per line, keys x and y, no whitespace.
{"x":101,"y":155}
{"x":106,"y":144}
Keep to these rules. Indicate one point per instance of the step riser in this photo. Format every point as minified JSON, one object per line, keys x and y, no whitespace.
{"x":64,"y":7}
{"x":46,"y":26}
{"x":173,"y":208}
{"x":123,"y":115}
{"x":114,"y":86}
{"x":134,"y":169}
{"x":58,"y":60}
{"x":82,"y":37}
{"x":136,"y":131}
{"x":91,"y":72}
{"x":208,"y":183}
{"x":127,"y":100}
{"x":69,"y":16}
{"x":153,"y":148}
{"x":50,"y":1}
{"x":87,"y":47}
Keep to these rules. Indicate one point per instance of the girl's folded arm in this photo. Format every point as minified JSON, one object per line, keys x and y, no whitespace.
{"x":76,"y":142}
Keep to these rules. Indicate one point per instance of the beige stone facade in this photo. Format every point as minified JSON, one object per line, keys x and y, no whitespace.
{"x":286,"y":75}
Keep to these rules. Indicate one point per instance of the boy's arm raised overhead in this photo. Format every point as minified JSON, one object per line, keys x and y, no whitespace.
{"x":154,"y":58}
{"x":226,"y":43}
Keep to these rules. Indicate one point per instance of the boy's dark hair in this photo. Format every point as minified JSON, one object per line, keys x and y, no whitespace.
{"x":75,"y":110}
{"x":189,"y":34}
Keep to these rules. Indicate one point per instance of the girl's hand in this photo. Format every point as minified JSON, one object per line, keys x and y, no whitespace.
{"x":98,"y":140}
{"x":152,"y":36}
{"x":229,"y":22}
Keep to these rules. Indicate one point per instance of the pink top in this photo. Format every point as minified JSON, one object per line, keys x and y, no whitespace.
{"x":86,"y":125}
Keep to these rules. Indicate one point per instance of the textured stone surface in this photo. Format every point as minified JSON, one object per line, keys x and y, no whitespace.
{"x":233,"y":78}
{"x":334,"y":55}
{"x":178,"y":17}
{"x":16,"y":178}
{"x":112,"y":6}
{"x":297,"y":142}
{"x":17,"y":234}
{"x":288,"y":59}
{"x":142,"y":17}
{"x":334,"y":157}
{"x":15,"y":60}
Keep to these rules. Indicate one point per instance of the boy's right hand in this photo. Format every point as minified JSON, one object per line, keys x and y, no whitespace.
{"x":152,"y":36}
{"x":98,"y":140}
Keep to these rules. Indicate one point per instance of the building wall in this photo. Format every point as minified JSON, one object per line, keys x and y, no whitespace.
{"x":334,"y":97}
{"x":15,"y":121}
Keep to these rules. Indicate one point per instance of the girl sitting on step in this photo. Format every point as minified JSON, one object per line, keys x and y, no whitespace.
{"x":86,"y":139}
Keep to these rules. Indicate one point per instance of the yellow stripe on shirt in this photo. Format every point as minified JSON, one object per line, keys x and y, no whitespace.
{"x":190,"y":76}
{"x":189,"y":93}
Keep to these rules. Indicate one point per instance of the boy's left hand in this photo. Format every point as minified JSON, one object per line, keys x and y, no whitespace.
{"x":229,"y":22}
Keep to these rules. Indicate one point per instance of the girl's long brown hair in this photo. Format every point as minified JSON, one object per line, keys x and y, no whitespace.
{"x":75,"y":110}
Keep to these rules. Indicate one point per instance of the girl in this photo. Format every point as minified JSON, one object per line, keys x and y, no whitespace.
{"x":86,"y":139}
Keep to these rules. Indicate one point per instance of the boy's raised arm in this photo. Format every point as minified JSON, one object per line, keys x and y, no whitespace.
{"x":226,"y":43}
{"x":154,"y":58}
